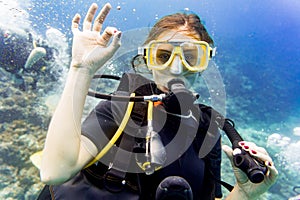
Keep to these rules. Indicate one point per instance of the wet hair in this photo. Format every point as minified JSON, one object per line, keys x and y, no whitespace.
{"x":189,"y":23}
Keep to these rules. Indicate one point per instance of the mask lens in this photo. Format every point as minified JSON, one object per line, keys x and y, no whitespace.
{"x":160,"y":53}
{"x":192,"y":53}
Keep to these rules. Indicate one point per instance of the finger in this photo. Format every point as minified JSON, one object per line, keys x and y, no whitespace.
{"x":101,"y":17}
{"x":246,"y":145}
{"x":116,"y":43}
{"x":262,"y":157}
{"x":239,"y":174}
{"x":75,"y":23}
{"x":272,"y":173}
{"x":106,"y":35}
{"x":87,"y":24}
{"x":250,"y":146}
{"x":229,"y":153}
{"x":258,"y":152}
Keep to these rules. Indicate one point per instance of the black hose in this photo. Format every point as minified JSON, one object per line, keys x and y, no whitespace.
{"x":232,"y":134}
{"x":112,"y":97}
{"x":107,"y":76}
{"x":115,"y":97}
{"x":254,"y":168}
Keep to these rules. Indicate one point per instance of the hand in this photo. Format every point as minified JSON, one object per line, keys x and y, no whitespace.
{"x":90,"y":50}
{"x":253,"y":190}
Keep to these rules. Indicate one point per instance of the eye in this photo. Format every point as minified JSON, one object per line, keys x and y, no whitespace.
{"x":190,"y":57}
{"x":162,"y":56}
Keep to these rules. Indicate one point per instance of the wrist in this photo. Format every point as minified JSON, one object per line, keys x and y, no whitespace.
{"x":78,"y":79}
{"x":238,"y":193}
{"x":241,"y":192}
{"x":82,"y":68}
{"x":80,"y":71}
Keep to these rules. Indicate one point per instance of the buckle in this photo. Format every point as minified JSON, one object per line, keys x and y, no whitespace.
{"x":113,"y":183}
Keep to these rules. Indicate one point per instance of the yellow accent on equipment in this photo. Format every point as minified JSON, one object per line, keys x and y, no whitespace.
{"x":36,"y":158}
{"x":116,"y":135}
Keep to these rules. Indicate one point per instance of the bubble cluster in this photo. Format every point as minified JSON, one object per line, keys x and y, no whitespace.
{"x":296,"y":131}
{"x":277,"y":140}
{"x":287,"y":150}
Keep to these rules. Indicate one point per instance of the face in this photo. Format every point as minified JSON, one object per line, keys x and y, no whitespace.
{"x":176,"y":68}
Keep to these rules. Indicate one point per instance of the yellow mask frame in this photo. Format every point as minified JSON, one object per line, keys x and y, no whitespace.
{"x":195,"y":55}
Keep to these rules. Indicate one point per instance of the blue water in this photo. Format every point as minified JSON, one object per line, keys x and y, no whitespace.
{"x":261,"y":37}
{"x":258,"y":56}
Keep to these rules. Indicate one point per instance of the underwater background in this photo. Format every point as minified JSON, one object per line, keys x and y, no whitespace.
{"x":258,"y":60}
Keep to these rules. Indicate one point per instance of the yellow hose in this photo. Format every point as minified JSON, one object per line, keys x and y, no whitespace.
{"x":116,"y":135}
{"x":150,"y":110}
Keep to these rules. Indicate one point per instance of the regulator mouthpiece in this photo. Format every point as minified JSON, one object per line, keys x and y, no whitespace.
{"x":179,"y":100}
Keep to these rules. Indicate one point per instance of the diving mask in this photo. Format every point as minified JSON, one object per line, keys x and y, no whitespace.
{"x":193,"y":54}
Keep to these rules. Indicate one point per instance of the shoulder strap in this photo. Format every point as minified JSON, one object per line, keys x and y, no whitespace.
{"x":131,"y":82}
{"x":138,"y":84}
{"x":118,"y":168}
{"x":214,"y":156}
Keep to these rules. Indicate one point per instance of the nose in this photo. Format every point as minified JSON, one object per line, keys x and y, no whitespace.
{"x":176,"y":67}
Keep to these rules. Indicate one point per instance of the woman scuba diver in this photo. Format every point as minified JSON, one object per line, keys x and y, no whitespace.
{"x":147,"y":149}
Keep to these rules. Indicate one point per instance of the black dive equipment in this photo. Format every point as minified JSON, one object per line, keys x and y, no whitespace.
{"x":179,"y":100}
{"x":254,"y":168}
{"x":174,"y":187}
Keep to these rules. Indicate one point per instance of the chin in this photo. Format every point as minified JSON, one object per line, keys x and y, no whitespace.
{"x":163,"y":88}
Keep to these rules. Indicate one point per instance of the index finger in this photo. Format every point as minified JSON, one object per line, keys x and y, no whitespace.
{"x":75,"y":22}
{"x":101,"y":17}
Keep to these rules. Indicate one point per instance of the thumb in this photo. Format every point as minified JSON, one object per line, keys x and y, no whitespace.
{"x":228,"y":151}
{"x":241,"y":177}
{"x":116,"y":42}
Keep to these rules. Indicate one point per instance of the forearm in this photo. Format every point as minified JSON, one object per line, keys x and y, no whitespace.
{"x":63,"y":141}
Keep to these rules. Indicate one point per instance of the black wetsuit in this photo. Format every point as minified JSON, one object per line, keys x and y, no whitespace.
{"x":181,"y":136}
